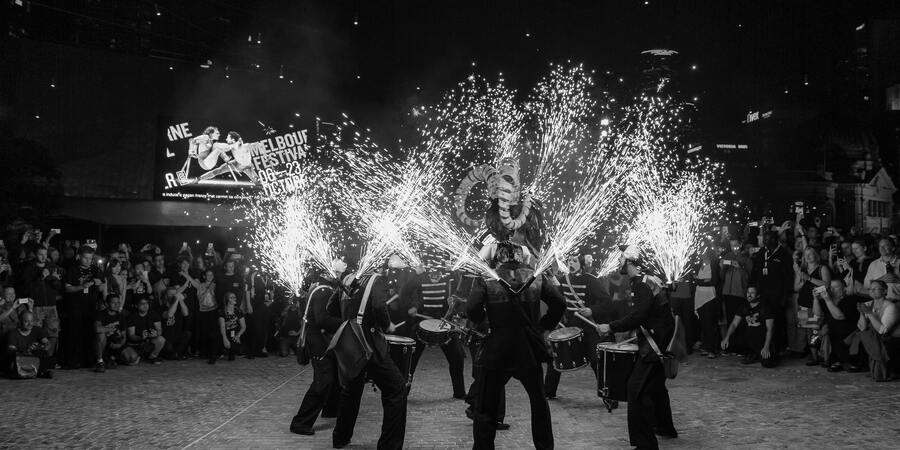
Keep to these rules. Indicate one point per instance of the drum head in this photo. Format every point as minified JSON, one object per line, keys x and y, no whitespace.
{"x":434,"y":325}
{"x":620,"y":347}
{"x":564,"y":334}
{"x":399,"y":340}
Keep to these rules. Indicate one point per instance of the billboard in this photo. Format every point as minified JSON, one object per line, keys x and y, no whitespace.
{"x":205,"y":160}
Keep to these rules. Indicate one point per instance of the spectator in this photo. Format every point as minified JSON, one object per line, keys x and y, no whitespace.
{"x":231,"y":281}
{"x":289,"y":332}
{"x":83,"y":285}
{"x":885,"y":264}
{"x":259,"y":316}
{"x":10,"y":308}
{"x":138,"y":287}
{"x":810,"y":274}
{"x":53,"y":254}
{"x":208,"y":318}
{"x":43,"y":281}
{"x":158,"y":275}
{"x":28,"y":341}
{"x":879,"y":332}
{"x":859,"y":266}
{"x":708,"y":304}
{"x":231,"y":327}
{"x":755,"y":327}
{"x":735,"y":267}
{"x":773,"y":276}
{"x":144,"y":333}
{"x":840,"y":315}
{"x":175,"y":325}
{"x":116,"y":278}
{"x":109,"y":334}
{"x":186,"y":286}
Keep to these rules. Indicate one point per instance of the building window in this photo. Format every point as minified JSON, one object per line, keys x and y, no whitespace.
{"x":875,"y":208}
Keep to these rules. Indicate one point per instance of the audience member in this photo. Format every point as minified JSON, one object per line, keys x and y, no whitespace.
{"x":109,"y":340}
{"x":755,"y":325}
{"x":175,"y":320}
{"x":26,"y":350}
{"x":840,"y":315}
{"x":879,"y":333}
{"x":231,"y":327}
{"x":144,"y":333}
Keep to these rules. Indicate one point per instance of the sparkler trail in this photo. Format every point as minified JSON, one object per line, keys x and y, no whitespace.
{"x":437,"y":230}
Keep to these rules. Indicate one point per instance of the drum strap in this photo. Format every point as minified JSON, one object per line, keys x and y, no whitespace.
{"x":365,"y":299}
{"x":302,"y":341}
{"x":652,"y":342}
{"x":577,"y":299}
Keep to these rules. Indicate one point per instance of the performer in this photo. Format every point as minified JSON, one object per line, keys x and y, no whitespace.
{"x":259,"y":289}
{"x":380,"y":368}
{"x":320,"y":321}
{"x":649,"y":409}
{"x":429,"y":292}
{"x":201,"y":147}
{"x":515,"y":347}
{"x":584,"y":295}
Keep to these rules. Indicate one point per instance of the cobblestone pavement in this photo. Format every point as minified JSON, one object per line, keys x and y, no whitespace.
{"x":248,"y":404}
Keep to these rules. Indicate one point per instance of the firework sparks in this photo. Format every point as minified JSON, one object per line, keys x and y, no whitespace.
{"x":442,"y":236}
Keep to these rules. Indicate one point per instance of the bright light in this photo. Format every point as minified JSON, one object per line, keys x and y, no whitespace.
{"x":171,"y":68}
{"x":693,"y":67}
{"x":296,"y":114}
{"x":604,"y":122}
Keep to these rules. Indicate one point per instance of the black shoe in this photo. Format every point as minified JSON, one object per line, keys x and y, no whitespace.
{"x":111,"y":364}
{"x":836,"y":367}
{"x":470,"y":413}
{"x":48,"y":374}
{"x":671,"y":434}
{"x":336,"y":444}
{"x":460,"y":396}
{"x":99,"y":367}
{"x":855,"y":369}
{"x":302,"y":431}
{"x":155,"y":361}
{"x":502,"y":426}
{"x":812,"y":363}
{"x":550,"y":396}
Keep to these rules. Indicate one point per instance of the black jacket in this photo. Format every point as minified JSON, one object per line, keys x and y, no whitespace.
{"x":515,"y":341}
{"x":651,"y":312}
{"x":375,"y":317}
{"x":320,"y":325}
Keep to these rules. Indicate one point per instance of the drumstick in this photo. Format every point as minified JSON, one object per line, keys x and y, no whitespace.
{"x":395,"y":297}
{"x":594,"y":324}
{"x":628,"y":340}
{"x":398,"y":325}
{"x":423,"y":316}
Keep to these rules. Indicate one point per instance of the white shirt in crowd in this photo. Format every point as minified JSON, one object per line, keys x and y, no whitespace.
{"x":878,"y":269}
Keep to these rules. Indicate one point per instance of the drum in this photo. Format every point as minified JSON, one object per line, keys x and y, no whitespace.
{"x":433,"y":332}
{"x":618,"y":362}
{"x":401,"y":350}
{"x":567,"y":349}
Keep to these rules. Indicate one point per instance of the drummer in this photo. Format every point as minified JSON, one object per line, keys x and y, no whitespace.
{"x":585,"y":296}
{"x":649,"y":409}
{"x":428,"y":294}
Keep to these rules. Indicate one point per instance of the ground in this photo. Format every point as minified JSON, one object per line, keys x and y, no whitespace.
{"x":249,"y":404}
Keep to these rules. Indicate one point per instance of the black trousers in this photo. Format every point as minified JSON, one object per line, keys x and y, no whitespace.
{"x":177,"y":343}
{"x":207,"y":329}
{"x":218,"y":347}
{"x":494,"y":381}
{"x":259,"y":327}
{"x":684,"y":308}
{"x":76,"y":332}
{"x":477,"y":381}
{"x":386,"y":376}
{"x":323,"y":395}
{"x":453,"y":351}
{"x":709,"y":325}
{"x":648,"y":404}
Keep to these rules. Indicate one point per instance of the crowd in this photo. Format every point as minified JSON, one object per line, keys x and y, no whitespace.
{"x":67,"y":305}
{"x":764,"y":293}
{"x":797,"y":291}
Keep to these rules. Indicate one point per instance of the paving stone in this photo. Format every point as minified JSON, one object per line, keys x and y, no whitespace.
{"x":717,"y":404}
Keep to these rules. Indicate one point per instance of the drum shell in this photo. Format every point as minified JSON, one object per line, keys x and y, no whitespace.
{"x":617,"y":365}
{"x":568,"y":353}
{"x":432,"y":336}
{"x":401,"y":352}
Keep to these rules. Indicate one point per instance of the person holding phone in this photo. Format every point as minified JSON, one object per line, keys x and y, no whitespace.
{"x":43,"y":282}
{"x":811,"y":274}
{"x":735,"y":268}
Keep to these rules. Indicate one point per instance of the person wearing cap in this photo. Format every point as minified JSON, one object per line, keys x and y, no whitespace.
{"x":429,"y":292}
{"x":649,"y":407}
{"x":321,"y":320}
{"x":515,"y":346}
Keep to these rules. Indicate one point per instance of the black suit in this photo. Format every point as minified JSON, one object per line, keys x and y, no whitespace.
{"x":380,"y":368}
{"x":323,"y":394}
{"x":648,"y":400}
{"x":514,"y":348}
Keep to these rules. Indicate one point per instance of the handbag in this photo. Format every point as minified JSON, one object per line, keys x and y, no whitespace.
{"x":26,"y":366}
{"x":349,"y":345}
{"x":669,"y":362}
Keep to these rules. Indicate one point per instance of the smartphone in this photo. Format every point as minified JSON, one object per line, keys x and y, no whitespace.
{"x":184,"y":244}
{"x":24,"y":301}
{"x":798,"y":207}
{"x":55,"y":230}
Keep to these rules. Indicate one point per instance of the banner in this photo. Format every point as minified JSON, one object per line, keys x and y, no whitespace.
{"x":202,"y":160}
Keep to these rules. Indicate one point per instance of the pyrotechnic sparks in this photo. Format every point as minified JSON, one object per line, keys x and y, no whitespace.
{"x":436,"y":230}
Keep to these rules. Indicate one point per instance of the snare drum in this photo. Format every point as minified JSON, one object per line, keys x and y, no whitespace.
{"x":401,"y":350}
{"x":618,"y":362}
{"x":433,"y":332}
{"x":567,"y":349}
